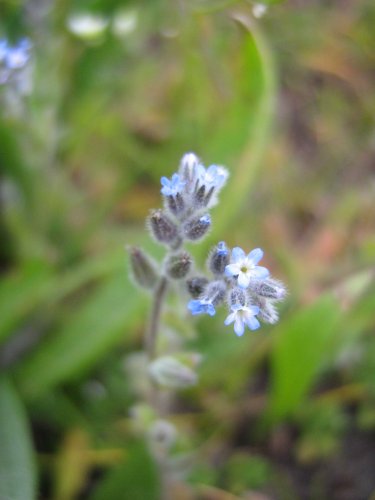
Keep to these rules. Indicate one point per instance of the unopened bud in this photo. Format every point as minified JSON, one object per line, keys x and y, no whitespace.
{"x":218,"y":258}
{"x":267,"y":311}
{"x":196,"y":285}
{"x":143,"y":268}
{"x":178,"y":266}
{"x":269,"y":288}
{"x":176,"y":204}
{"x":162,"y":227}
{"x":169,"y":372}
{"x":162,"y":434}
{"x":237,"y":297}
{"x":196,"y":228}
{"x":187,"y":169}
{"x":215,"y":292}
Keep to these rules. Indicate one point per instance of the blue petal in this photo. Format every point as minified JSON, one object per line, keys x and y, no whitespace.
{"x":239,"y":327}
{"x":195,"y":307}
{"x":237,"y":254}
{"x":165,"y":181}
{"x":254,"y":310}
{"x":260,"y":272}
{"x":252,"y":323}
{"x":255,"y":255}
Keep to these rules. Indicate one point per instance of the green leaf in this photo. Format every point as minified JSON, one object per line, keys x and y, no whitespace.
{"x":135,"y":478}
{"x":19,"y":294}
{"x":106,"y":317}
{"x":260,"y":81}
{"x":301,"y":346}
{"x":17,"y":466}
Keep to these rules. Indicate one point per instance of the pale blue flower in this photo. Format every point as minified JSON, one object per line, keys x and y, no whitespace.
{"x":15,"y":57}
{"x":212,"y":177}
{"x":243,"y":316}
{"x":244,"y":267}
{"x":172,"y":187}
{"x":201,"y":306}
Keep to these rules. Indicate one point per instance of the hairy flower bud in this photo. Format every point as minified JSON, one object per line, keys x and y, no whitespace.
{"x":162,"y":435}
{"x":215,"y":292}
{"x":170,"y":372}
{"x":178,"y":265}
{"x":176,"y":204}
{"x":267,"y":311}
{"x":194,"y":229}
{"x":218,"y":259}
{"x":196,"y":285}
{"x":269,"y":288}
{"x":237,"y":297}
{"x":143,"y":268}
{"x":162,"y":227}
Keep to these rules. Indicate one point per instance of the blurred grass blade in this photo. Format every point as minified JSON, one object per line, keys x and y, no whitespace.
{"x":261,"y":79}
{"x":300,"y":348}
{"x":17,"y":466}
{"x":106,"y":317}
{"x":19,"y":294}
{"x":136,"y":478}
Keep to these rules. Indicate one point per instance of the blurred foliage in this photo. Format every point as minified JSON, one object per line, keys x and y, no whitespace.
{"x":282,"y":96}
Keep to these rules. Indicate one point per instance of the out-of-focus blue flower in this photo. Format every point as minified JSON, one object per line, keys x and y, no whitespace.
{"x":244,"y":267}
{"x":201,"y":306}
{"x":16,"y":56}
{"x":172,"y":187}
{"x":243,"y":316}
{"x":212,"y":177}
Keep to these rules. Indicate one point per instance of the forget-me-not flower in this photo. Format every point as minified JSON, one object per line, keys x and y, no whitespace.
{"x":243,"y":316}
{"x":172,"y":187}
{"x":201,"y":306}
{"x":244,"y":267}
{"x":212,"y":177}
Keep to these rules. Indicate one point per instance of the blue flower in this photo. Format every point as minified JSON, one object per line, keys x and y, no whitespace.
{"x":201,"y":306}
{"x":244,"y":267}
{"x":172,"y":187}
{"x":221,"y":248}
{"x":243,"y":316}
{"x":212,"y":177}
{"x":15,"y":57}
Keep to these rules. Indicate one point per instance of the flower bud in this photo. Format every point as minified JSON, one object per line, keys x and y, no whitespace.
{"x":143,"y":268}
{"x":196,"y":285}
{"x":237,"y":297}
{"x":178,"y":266}
{"x":162,"y":435}
{"x":176,"y":204}
{"x":169,"y":372}
{"x":196,"y":228}
{"x":218,"y":259}
{"x":267,"y":311}
{"x":187,"y":169}
{"x":162,"y":227}
{"x":215,"y":292}
{"x":269,"y":288}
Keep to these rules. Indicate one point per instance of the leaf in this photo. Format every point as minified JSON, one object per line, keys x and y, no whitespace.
{"x":135,"y":478}
{"x":17,"y":465}
{"x":261,"y":99}
{"x":300,"y":348}
{"x":107,"y":316}
{"x":20,"y":293}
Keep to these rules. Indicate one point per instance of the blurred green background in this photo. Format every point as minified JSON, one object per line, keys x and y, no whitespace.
{"x":283,"y":95}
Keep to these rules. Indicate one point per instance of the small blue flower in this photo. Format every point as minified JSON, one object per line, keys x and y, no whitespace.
{"x":201,"y":306}
{"x":172,"y":187}
{"x":244,"y":267}
{"x":243,"y":316}
{"x":212,"y":177}
{"x":15,"y":57}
